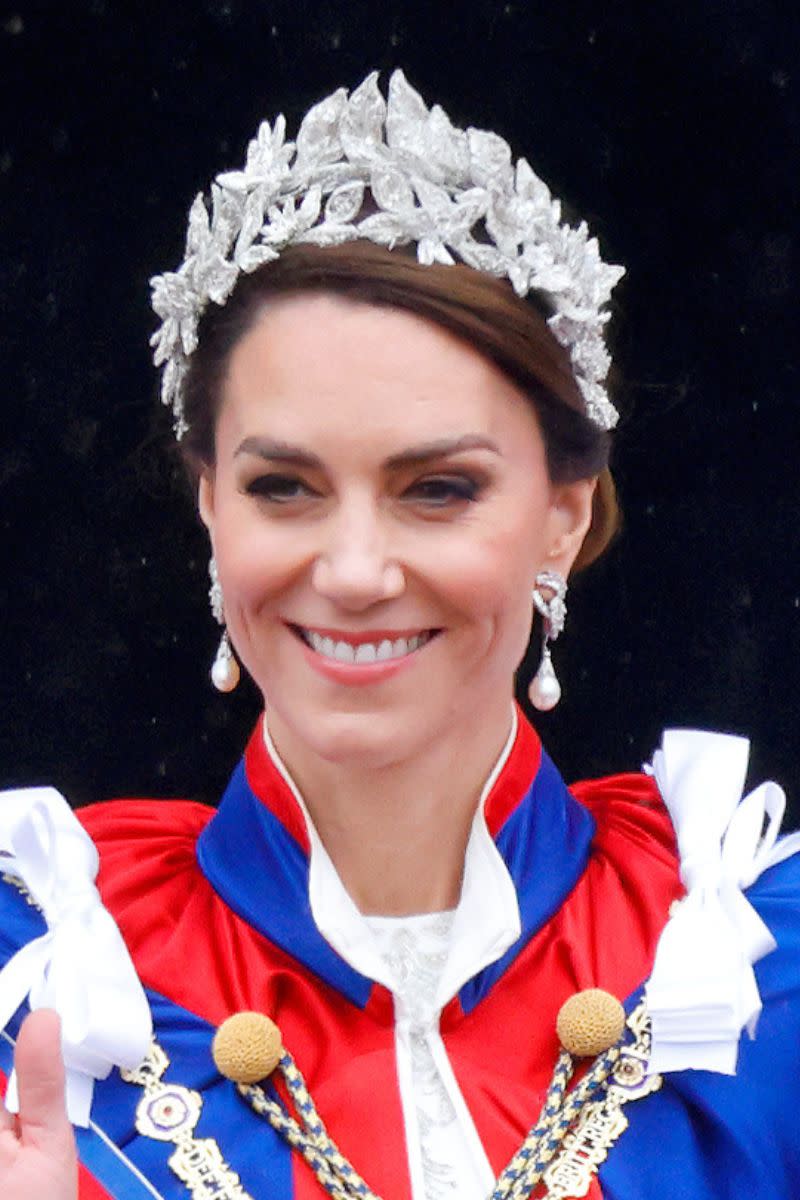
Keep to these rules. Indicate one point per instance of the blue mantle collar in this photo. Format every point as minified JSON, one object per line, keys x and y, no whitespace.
{"x":255,"y":854}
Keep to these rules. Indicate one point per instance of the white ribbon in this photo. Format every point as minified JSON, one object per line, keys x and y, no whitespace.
{"x":80,"y":966}
{"x":703,"y":992}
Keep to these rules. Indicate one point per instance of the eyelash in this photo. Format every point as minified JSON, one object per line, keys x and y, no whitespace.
{"x":287,"y":488}
{"x":437,"y":491}
{"x":441,"y":490}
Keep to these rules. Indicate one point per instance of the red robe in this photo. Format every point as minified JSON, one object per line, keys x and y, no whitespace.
{"x":596,"y":872}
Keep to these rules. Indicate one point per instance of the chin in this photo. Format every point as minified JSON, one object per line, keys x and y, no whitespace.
{"x":369,"y":739}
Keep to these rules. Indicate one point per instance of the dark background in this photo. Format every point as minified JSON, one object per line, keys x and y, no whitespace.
{"x":672,"y":127}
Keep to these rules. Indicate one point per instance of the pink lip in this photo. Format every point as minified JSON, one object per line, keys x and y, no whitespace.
{"x":356,"y":674}
{"x":366,"y":635}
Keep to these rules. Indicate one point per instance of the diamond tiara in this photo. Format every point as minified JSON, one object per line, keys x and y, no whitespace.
{"x":456,"y":193}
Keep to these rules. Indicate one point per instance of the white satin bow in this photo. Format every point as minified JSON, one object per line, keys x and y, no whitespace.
{"x":80,"y":966}
{"x":703,"y":991}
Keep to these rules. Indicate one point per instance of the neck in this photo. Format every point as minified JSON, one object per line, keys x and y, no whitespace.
{"x":398,"y":834}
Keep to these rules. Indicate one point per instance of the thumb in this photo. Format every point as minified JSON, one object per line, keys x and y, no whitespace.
{"x":40,"y":1080}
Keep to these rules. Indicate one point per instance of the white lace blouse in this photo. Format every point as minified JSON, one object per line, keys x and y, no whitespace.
{"x":415,"y":950}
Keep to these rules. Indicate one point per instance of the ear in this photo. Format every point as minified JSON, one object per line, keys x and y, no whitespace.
{"x":205,"y":498}
{"x":570,"y":518}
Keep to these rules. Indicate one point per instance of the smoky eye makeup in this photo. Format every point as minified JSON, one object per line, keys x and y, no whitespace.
{"x":442,"y":489}
{"x":280,"y":487}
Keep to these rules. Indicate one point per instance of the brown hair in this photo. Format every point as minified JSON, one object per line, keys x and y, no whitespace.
{"x":479,"y":309}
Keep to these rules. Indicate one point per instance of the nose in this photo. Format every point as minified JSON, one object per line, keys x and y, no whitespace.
{"x":353,"y":568}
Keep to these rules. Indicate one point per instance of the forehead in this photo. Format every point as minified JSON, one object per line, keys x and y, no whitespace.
{"x":321,"y":364}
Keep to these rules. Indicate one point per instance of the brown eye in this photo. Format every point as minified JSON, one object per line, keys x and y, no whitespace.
{"x":279,"y":489}
{"x":440,"y":490}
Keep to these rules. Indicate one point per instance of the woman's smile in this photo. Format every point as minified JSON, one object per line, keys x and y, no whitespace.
{"x":372,"y":646}
{"x":361,"y":659}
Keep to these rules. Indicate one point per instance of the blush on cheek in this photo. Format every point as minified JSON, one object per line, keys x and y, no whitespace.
{"x":256,"y":570}
{"x":494,"y":585}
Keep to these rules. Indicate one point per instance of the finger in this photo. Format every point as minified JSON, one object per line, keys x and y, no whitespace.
{"x":7,"y":1119}
{"x":9,"y":1135}
{"x":40,"y":1079}
{"x":9,"y":1142}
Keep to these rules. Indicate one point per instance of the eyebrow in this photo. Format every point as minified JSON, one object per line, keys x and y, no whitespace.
{"x":276,"y":450}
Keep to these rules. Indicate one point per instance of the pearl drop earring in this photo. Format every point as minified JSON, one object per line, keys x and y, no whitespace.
{"x":225,"y":669}
{"x":545,"y":690}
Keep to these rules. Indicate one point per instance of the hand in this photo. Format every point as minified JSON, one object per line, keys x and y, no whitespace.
{"x":38,"y":1160}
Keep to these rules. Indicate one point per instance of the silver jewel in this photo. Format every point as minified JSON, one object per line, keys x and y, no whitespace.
{"x":225,"y":669}
{"x":549,"y":598}
{"x":215,"y":592}
{"x":456,"y":194}
{"x":553,"y":607}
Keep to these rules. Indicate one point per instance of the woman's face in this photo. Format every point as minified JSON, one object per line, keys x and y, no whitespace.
{"x":379,"y":509}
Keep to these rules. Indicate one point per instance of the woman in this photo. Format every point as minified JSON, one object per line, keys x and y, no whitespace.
{"x":399,"y":460}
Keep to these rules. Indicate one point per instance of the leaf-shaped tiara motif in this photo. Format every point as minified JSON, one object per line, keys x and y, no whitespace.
{"x":456,"y":193}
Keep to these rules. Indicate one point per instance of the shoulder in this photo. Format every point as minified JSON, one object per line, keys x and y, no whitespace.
{"x":632,"y":876}
{"x":633,"y":790}
{"x":149,"y":876}
{"x":144,"y":829}
{"x":140,"y":845}
{"x":630,"y":816}
{"x":144,"y":846}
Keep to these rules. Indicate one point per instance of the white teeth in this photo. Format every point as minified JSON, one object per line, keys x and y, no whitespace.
{"x":365,"y":652}
{"x":344,"y":652}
